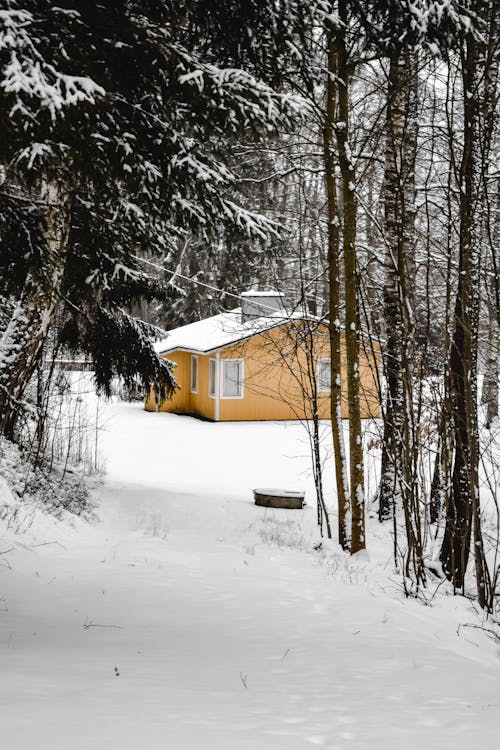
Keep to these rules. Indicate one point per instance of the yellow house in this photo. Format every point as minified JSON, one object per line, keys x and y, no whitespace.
{"x":256,"y":363}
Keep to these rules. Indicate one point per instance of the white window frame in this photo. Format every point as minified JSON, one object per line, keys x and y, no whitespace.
{"x":212,"y":377}
{"x":193,"y":374}
{"x":241,"y":381}
{"x":321,"y":362}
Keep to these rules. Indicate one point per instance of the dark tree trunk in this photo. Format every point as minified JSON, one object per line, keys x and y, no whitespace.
{"x":463,"y":507}
{"x":399,"y":470}
{"x":399,"y":219}
{"x":334,"y":275}
{"x":489,"y":393}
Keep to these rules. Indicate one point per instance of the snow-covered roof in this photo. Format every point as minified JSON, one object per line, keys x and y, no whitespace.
{"x":220,"y":330}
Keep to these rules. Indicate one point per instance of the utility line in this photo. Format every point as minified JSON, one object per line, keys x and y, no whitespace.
{"x":176,"y":274}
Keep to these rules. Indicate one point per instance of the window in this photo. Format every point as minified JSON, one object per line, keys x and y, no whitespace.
{"x":212,"y":371}
{"x":194,"y":373}
{"x":324,"y":374}
{"x":232,"y":378}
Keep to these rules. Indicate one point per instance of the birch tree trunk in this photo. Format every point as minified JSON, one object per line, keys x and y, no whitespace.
{"x":343,"y":72}
{"x":22,"y":341}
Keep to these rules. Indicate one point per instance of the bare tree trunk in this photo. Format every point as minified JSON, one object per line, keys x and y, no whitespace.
{"x":343,"y":74}
{"x":399,"y":470}
{"x":22,"y":341}
{"x":489,"y":393}
{"x":463,"y":504}
{"x":399,"y":203}
{"x":311,"y":391}
{"x":487,"y":73}
{"x":441,"y":477}
{"x":334,"y":275}
{"x":391,"y":474}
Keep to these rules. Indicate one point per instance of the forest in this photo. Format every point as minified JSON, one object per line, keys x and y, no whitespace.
{"x":160,"y":158}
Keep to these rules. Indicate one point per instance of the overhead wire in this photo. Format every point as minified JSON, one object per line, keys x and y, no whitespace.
{"x":176,"y":274}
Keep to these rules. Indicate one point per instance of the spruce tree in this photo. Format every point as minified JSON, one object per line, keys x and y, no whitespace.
{"x":114,"y":120}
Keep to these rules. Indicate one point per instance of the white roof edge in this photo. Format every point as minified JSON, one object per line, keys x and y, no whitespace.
{"x":186,"y":349}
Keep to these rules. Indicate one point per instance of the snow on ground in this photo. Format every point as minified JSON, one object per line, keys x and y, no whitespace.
{"x":187,"y":618}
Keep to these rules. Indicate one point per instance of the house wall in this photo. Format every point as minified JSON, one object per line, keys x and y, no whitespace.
{"x":276,"y":385}
{"x":183,"y":401}
{"x":202,"y":404}
{"x":277,"y":379}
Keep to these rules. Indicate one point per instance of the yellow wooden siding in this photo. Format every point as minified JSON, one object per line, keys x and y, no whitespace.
{"x":278,"y":375}
{"x":183,"y":401}
{"x":202,"y":404}
{"x":277,"y":379}
{"x":179,"y":401}
{"x":273,"y":375}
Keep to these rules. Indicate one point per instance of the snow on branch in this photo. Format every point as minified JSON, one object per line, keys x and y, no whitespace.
{"x":239,"y":93}
{"x":28,"y":76}
{"x":250,"y":223}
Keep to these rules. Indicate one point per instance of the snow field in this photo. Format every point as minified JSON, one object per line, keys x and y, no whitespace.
{"x":187,"y":618}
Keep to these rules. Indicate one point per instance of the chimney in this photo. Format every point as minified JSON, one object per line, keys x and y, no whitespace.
{"x":261,"y":304}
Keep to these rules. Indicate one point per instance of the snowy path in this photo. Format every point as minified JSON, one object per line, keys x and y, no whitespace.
{"x":227,"y":629}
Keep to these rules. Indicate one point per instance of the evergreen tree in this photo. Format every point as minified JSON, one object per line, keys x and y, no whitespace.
{"x":115,"y":117}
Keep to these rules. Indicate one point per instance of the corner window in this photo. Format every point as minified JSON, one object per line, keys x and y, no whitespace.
{"x":212,"y":372}
{"x":194,"y":373}
{"x":324,"y":374}
{"x":232,"y":378}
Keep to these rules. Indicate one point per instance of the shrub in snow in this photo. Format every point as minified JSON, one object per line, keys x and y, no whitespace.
{"x":26,"y":489}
